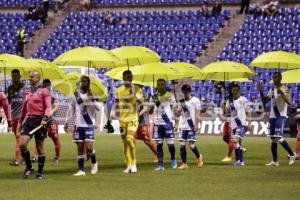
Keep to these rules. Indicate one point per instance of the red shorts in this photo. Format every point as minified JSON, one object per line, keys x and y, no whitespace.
{"x":226,"y":129}
{"x":143,"y":133}
{"x":52,"y":130}
{"x":14,"y":125}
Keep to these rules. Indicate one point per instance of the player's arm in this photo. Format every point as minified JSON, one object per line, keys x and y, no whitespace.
{"x":197,"y":115}
{"x":178,"y":110}
{"x":248,"y":114}
{"x":70,"y":114}
{"x":55,"y":108}
{"x":226,"y":109}
{"x":47,"y":100}
{"x":7,"y":111}
{"x":144,"y":110}
{"x":265,"y":99}
{"x":285,"y":95}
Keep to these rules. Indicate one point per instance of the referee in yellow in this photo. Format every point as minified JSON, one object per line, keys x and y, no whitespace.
{"x":127,"y":98}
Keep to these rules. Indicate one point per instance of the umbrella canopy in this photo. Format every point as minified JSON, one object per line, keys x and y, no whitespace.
{"x":277,"y":59}
{"x":48,"y":70}
{"x":9,"y":62}
{"x":187,"y":69}
{"x":148,"y":73}
{"x":69,"y":85}
{"x":89,"y":57}
{"x":291,"y":76}
{"x":225,"y":71}
{"x":136,"y":55}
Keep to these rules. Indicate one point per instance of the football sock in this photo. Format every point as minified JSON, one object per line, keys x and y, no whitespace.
{"x":41,"y":162}
{"x":132,"y":150}
{"x":195,"y":150}
{"x":151,"y":145}
{"x":160,"y":153}
{"x":126,"y":152}
{"x":237,"y":152}
{"x":80,"y":161}
{"x":26,"y":157}
{"x":18,"y":151}
{"x":287,"y":147}
{"x":172,"y":151}
{"x":93,"y":157}
{"x":183,"y":153}
{"x":297,"y":150}
{"x":230,"y":148}
{"x":57,"y":147}
{"x":274,"y":151}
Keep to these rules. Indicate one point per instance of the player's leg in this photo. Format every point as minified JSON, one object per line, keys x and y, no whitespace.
{"x":53,"y":134}
{"x":24,"y":140}
{"x":279,"y":124}
{"x":132,"y":128}
{"x":158,"y":135}
{"x":78,"y":138}
{"x":182,"y":137}
{"x":195,"y":150}
{"x":39,"y":141}
{"x":89,"y":144}
{"x":145,"y":131}
{"x":15,"y":127}
{"x":297,"y":149}
{"x":170,"y":136}
{"x":226,"y":138}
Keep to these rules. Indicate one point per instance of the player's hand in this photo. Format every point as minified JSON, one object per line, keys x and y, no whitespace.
{"x":260,"y":87}
{"x":175,"y":128}
{"x":44,"y":122}
{"x":297,"y":116}
{"x":66,"y":127}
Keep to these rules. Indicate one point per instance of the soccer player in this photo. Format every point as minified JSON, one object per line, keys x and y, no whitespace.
{"x":84,"y":105}
{"x":237,"y":106}
{"x":5,"y":105}
{"x":163,"y":125}
{"x":297,"y":117}
{"x":16,"y":96}
{"x":35,"y":114}
{"x":127,"y":98}
{"x":280,"y":98}
{"x":143,"y":132}
{"x":189,"y":109}
{"x":52,"y":126}
{"x":227,"y":130}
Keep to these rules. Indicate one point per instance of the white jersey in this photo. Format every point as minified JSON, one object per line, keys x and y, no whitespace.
{"x":166,"y":101}
{"x":241,"y":106}
{"x":91,"y":107}
{"x":281,"y":104}
{"x":193,"y":105}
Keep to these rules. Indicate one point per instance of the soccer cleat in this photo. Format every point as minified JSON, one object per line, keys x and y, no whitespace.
{"x":79,"y":173}
{"x":244,"y":150}
{"x":238,"y":163}
{"x":27,"y":173}
{"x":200,"y":161}
{"x":272,"y":163}
{"x":242,"y":163}
{"x":34,"y":159}
{"x":173,"y":164}
{"x":183,"y":166}
{"x":297,"y":156}
{"x":94,"y":168}
{"x":133,"y":168}
{"x":14,"y":163}
{"x":292,"y":159}
{"x":159,"y":168}
{"x":127,"y":170}
{"x":226,"y":159}
{"x":56,"y":160}
{"x":39,"y":176}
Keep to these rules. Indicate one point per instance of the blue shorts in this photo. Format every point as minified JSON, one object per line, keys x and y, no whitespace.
{"x":163,"y":132}
{"x":239,"y":132}
{"x":276,"y":126}
{"x":186,"y":135}
{"x":84,"y":134}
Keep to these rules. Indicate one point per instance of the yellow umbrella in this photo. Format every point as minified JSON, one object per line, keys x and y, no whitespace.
{"x":48,"y":70}
{"x":117,"y":73}
{"x":277,"y":59}
{"x":187,"y":69}
{"x":89,"y":57}
{"x":148,"y":73}
{"x":136,"y":55}
{"x":9,"y":62}
{"x":225,"y":71}
{"x":291,"y":76}
{"x":69,"y":85}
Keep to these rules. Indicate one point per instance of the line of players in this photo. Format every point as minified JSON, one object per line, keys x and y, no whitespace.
{"x":32,"y":107}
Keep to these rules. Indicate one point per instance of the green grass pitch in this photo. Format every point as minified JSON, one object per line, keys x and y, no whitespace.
{"x":215,"y":180}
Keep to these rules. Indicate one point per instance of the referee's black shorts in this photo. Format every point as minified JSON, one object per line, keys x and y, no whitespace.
{"x":31,"y":122}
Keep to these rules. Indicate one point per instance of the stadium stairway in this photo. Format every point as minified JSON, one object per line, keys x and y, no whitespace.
{"x":215,"y":47}
{"x":39,"y":38}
